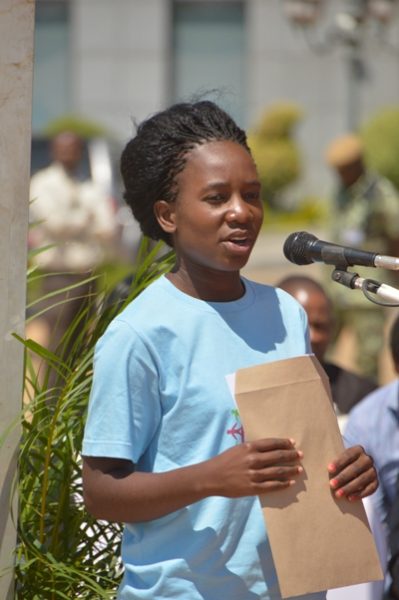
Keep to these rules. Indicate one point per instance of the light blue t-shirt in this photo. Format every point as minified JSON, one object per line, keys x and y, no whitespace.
{"x":160,"y":399}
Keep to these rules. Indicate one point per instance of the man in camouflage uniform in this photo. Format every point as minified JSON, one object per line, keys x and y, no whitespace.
{"x":365,"y":216}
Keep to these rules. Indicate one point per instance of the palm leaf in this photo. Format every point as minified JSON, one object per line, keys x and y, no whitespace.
{"x":62,"y":551}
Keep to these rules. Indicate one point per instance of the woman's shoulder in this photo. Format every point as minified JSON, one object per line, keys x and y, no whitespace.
{"x":144,"y":310}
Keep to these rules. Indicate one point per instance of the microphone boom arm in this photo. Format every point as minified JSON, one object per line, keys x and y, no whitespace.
{"x":369,"y":287}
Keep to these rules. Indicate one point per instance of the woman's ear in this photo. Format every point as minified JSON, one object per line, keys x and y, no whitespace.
{"x":165,"y":215}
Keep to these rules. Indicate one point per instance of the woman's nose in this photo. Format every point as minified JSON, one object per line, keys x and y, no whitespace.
{"x":238,"y":211}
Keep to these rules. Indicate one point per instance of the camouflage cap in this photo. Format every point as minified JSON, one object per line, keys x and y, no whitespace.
{"x":344,"y":150}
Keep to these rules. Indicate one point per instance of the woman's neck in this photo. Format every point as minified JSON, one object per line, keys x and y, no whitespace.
{"x":209,"y":286}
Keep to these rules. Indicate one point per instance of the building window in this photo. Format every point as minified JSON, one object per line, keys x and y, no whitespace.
{"x":51,"y":81}
{"x":209,"y":52}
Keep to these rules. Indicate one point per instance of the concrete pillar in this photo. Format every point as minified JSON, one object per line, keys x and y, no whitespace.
{"x":16,"y":58}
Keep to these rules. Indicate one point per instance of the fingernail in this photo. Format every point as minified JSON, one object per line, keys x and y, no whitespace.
{"x":293,"y":442}
{"x":339,"y":493}
{"x":331,"y":467}
{"x":300,"y":469}
{"x":333,"y":483}
{"x":353,"y":498}
{"x":300,"y":454}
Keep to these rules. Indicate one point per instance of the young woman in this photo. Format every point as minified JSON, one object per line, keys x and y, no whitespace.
{"x":163,"y":447}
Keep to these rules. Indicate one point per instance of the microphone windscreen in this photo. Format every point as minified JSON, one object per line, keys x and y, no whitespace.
{"x":296,"y":247}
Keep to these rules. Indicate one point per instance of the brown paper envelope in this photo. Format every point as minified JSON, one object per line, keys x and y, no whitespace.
{"x":317,"y":541}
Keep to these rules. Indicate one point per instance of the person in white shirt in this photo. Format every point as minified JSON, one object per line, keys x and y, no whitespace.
{"x":73,"y":222}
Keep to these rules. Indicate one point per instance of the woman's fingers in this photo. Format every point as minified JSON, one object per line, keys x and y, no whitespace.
{"x":353,"y":474}
{"x":256,"y":467}
{"x":279,"y":473}
{"x":274,"y":463}
{"x":360,"y":486}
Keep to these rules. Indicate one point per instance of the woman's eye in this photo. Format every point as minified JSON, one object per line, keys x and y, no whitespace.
{"x":216,"y":198}
{"x":252,"y":196}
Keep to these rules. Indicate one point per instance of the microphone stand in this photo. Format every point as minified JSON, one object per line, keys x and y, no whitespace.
{"x":370,"y":287}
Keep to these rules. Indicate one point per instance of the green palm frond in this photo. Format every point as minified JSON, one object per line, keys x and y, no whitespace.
{"x":62,"y":551}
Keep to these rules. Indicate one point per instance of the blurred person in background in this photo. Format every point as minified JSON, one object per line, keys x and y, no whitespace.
{"x":365,"y":216}
{"x":374,"y":424}
{"x":347,"y":388}
{"x":73,"y":220}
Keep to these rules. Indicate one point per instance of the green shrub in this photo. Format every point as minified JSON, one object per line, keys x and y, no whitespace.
{"x":275,"y":151}
{"x":85,"y":128}
{"x":380,"y":135}
{"x":310,"y":211}
{"x":278,"y":121}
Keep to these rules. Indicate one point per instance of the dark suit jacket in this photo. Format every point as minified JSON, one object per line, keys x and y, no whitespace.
{"x":347,"y":388}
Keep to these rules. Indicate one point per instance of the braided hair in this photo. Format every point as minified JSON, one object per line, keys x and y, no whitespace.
{"x":152,"y":159}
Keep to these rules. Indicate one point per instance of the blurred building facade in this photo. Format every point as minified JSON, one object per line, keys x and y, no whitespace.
{"x":117,"y":62}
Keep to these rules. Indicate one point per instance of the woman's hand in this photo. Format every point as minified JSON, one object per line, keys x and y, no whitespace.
{"x":253,"y":468}
{"x":353,"y":475}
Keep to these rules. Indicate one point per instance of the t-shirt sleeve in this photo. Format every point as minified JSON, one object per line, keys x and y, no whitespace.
{"x":124,"y":407}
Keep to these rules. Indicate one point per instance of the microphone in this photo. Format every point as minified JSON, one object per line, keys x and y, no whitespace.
{"x":303,"y":248}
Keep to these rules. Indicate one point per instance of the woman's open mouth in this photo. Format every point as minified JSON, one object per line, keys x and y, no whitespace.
{"x":239,"y":245}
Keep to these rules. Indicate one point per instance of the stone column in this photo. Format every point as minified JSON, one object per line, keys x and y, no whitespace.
{"x":16,"y":59}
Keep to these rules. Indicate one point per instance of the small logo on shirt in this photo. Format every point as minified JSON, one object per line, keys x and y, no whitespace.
{"x":237,"y":430}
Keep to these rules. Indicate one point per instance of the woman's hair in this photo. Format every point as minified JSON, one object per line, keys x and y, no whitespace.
{"x":151,"y":160}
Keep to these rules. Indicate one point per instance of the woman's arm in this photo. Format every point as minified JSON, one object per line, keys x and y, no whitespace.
{"x":114,"y":491}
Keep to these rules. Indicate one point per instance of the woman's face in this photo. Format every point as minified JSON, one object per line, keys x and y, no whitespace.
{"x":217,"y":214}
